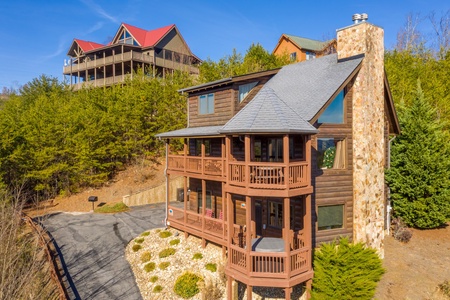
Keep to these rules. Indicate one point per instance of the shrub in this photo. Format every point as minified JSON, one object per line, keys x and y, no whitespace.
{"x":211,"y":290}
{"x":164,"y":265}
{"x":345,"y":271}
{"x":147,"y":233}
{"x":136,"y":247}
{"x":186,"y":285}
{"x":146,"y":256}
{"x":211,"y":267}
{"x":157,"y":289}
{"x":112,"y":208}
{"x":197,"y":256}
{"x":165,"y":234}
{"x":149,"y":267}
{"x":153,"y":279}
{"x":174,"y":242}
{"x":166,"y":252}
{"x":158,"y":230}
{"x":445,"y":288}
{"x":401,"y":232}
{"x":139,"y":240}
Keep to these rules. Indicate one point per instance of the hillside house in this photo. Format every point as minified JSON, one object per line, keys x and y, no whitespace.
{"x":156,"y":52}
{"x":301,"y":49}
{"x":276,"y":162}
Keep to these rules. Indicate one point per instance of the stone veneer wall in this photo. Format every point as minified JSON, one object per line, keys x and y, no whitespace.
{"x":368,"y":134}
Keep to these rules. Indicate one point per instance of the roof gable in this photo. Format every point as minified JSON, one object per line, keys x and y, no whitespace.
{"x":144,"y":38}
{"x":85,"y":46}
{"x":307,"y":44}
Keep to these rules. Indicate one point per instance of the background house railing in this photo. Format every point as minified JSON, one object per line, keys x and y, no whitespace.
{"x":195,"y":164}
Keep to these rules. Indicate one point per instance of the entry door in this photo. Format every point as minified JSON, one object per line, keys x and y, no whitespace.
{"x":258,"y":217}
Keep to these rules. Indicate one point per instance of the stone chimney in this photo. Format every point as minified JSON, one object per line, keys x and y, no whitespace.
{"x":369,"y":149}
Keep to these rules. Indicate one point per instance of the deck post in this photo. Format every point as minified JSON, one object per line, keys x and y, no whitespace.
{"x":249,"y":292}
{"x":287,"y":293}
{"x":286,"y":160}
{"x":286,"y":235}
{"x":247,"y":161}
{"x":185,"y":199}
{"x":248,"y":233}
{"x":229,"y":287}
{"x":202,"y":212}
{"x":308,"y":289}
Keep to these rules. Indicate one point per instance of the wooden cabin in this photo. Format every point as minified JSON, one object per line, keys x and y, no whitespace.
{"x":156,"y":52}
{"x":276,"y":162}
{"x":300,"y":49}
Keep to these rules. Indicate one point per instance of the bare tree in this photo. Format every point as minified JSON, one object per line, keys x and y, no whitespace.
{"x":409,"y":37}
{"x":441,"y":27}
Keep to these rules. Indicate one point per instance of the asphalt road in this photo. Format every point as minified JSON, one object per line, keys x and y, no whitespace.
{"x":92,"y":247}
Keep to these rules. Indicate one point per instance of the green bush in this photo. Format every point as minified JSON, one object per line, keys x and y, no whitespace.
{"x":174,"y":242}
{"x":149,"y":267}
{"x":146,"y":256}
{"x":197,"y":256}
{"x":136,"y":247}
{"x":186,"y":285}
{"x":166,"y":252}
{"x":147,"y":233}
{"x":112,"y":208}
{"x":139,"y":240}
{"x":153,"y":279}
{"x":165,"y":234}
{"x":345,"y":271}
{"x":164,"y":265}
{"x":157,"y":289}
{"x":211,"y":267}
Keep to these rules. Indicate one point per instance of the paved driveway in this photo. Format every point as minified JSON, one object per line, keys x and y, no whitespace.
{"x":92,"y":249}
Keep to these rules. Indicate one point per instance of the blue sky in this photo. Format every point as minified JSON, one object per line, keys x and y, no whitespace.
{"x":36,"y":35}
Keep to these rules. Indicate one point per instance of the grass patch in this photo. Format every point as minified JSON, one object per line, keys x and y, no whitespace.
{"x":139,"y":240}
{"x":147,"y":233}
{"x":146,"y":256}
{"x":174,"y":242}
{"x":166,"y":252}
{"x":211,"y":267}
{"x":197,"y":256}
{"x":149,"y":267}
{"x":164,"y":265}
{"x":153,"y":279}
{"x":112,"y":208}
{"x":165,"y":234}
{"x":186,"y":285}
{"x":157,"y":289}
{"x":136,"y":247}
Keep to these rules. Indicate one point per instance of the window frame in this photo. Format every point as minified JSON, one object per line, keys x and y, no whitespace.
{"x":343,"y":226}
{"x":253,"y":84}
{"x":208,"y":101}
{"x":200,"y":199}
{"x":293,"y":56}
{"x":343,"y":92}
{"x":279,"y":218}
{"x":341,"y":153}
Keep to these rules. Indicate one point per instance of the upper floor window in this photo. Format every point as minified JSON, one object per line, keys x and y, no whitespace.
{"x":245,"y":89}
{"x":330,"y":217}
{"x":206,"y":104}
{"x":330,"y":153}
{"x":310,"y":55}
{"x":126,"y":38}
{"x":293,"y":56}
{"x":334,"y":114}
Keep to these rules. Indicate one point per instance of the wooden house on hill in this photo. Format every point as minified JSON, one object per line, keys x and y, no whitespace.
{"x":156,"y":52}
{"x":301,"y":49}
{"x":276,"y":162}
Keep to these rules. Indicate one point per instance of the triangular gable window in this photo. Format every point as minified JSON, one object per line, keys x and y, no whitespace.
{"x":334,"y":114}
{"x":126,"y":38}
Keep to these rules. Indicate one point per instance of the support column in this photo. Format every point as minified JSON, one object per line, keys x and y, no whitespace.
{"x":247,"y":160}
{"x":287,"y":235}
{"x":249,"y":292}
{"x":248,"y":233}
{"x":203,"y":209}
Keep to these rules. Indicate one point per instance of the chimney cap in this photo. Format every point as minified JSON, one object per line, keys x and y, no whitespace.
{"x":358,"y":18}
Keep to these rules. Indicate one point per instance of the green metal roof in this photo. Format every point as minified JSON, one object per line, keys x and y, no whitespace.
{"x":308,"y":44}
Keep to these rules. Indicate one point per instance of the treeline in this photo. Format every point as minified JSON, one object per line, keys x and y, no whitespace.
{"x":55,"y":140}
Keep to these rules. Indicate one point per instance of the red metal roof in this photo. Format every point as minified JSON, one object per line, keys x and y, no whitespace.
{"x":88,"y":46}
{"x":147,"y":38}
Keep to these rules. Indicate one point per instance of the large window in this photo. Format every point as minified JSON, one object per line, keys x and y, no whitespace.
{"x":330,"y":153}
{"x":310,"y":55}
{"x":330,"y":217}
{"x":276,"y":215}
{"x":334,"y":113}
{"x":126,"y":38}
{"x":206,"y":104}
{"x":200,"y":200}
{"x":245,"y":89}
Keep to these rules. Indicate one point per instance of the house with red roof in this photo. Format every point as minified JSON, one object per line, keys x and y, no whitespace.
{"x":157,"y":52}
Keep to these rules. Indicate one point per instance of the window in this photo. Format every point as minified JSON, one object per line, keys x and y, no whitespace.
{"x":206,"y":104}
{"x":310,"y":55}
{"x":245,"y":89}
{"x":293,"y":56}
{"x":330,"y":217}
{"x":330,"y":153}
{"x":275,"y":149}
{"x":200,"y":200}
{"x":126,"y":38}
{"x":334,"y":113}
{"x":295,"y":147}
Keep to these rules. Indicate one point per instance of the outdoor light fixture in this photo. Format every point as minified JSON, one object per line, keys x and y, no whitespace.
{"x":93,"y":199}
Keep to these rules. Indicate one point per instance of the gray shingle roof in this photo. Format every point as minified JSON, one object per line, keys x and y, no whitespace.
{"x":267,"y":113}
{"x":308,"y":85}
{"x":191,"y":132}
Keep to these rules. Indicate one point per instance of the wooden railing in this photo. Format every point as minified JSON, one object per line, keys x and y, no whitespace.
{"x":195,"y":164}
{"x":269,"y":175}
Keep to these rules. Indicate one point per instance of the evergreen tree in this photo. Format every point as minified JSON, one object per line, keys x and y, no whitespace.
{"x":419,"y":176}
